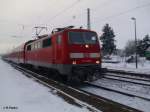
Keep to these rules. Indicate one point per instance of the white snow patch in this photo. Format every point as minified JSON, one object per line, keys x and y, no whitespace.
{"x":136,"y":103}
{"x":143,"y":66}
{"x":29,"y":96}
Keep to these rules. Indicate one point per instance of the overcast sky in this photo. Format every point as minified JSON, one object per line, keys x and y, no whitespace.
{"x":19,"y":17}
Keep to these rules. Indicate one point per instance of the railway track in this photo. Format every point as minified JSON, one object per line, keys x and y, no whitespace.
{"x":128,"y":73}
{"x":134,"y":80}
{"x":116,"y":91}
{"x":126,"y":81}
{"x":128,"y":76}
{"x":85,"y":99}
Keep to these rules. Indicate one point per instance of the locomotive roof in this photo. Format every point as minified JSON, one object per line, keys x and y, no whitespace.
{"x":57,"y":32}
{"x":77,"y":29}
{"x":30,"y":41}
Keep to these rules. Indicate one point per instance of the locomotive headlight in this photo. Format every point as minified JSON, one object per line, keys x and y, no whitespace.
{"x":86,"y":46}
{"x":74,"y":62}
{"x":97,"y":62}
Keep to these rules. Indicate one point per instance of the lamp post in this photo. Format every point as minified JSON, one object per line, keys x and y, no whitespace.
{"x":136,"y":62}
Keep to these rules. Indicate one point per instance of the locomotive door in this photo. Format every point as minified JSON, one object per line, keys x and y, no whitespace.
{"x":57,"y":49}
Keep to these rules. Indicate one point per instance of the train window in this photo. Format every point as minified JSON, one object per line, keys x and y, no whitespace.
{"x":39,"y":44}
{"x":82,"y":38}
{"x":36,"y":45}
{"x":32,"y":46}
{"x":59,"y":39}
{"x":29,"y":48}
{"x":46,"y":42}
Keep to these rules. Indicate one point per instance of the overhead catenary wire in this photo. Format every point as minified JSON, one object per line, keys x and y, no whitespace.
{"x":124,"y":12}
{"x":93,"y":21}
{"x":120,"y":13}
{"x":58,"y":14}
{"x":79,"y":14}
{"x":103,"y":4}
{"x":64,"y":10}
{"x":53,"y":17}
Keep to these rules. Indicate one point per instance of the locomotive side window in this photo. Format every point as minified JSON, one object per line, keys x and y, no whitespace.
{"x":39,"y":44}
{"x":59,"y":39}
{"x":46,"y":42}
{"x":29,"y":48}
{"x":35,"y":45}
{"x":32,"y":46}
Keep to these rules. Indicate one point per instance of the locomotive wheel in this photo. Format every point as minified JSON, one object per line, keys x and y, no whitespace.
{"x":54,"y":74}
{"x":89,"y":78}
{"x":80,"y":75}
{"x":96,"y":76}
{"x":93,"y":75}
{"x":57,"y":76}
{"x":74,"y":80}
{"x":89,"y":75}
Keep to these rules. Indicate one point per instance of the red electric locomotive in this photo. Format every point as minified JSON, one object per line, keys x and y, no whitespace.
{"x":73,"y":53}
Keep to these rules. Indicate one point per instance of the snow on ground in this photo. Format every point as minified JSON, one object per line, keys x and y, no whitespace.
{"x":143,"y":65}
{"x":136,"y":103}
{"x":21,"y":94}
{"x":118,"y":63}
{"x":135,"y":89}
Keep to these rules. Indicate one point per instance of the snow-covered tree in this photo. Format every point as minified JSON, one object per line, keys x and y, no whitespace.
{"x":108,"y":41}
{"x":143,"y":45}
{"x":130,"y":48}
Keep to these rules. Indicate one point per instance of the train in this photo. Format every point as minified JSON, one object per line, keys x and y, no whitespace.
{"x":71,"y":53}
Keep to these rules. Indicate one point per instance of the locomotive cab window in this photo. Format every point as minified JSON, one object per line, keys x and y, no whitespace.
{"x":82,"y":38}
{"x":29,"y":48}
{"x":46,"y":42}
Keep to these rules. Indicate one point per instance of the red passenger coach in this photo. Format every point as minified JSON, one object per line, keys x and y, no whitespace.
{"x":73,"y":53}
{"x":17,"y":54}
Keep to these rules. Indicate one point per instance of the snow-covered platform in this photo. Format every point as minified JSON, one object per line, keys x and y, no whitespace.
{"x":19,"y":93}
